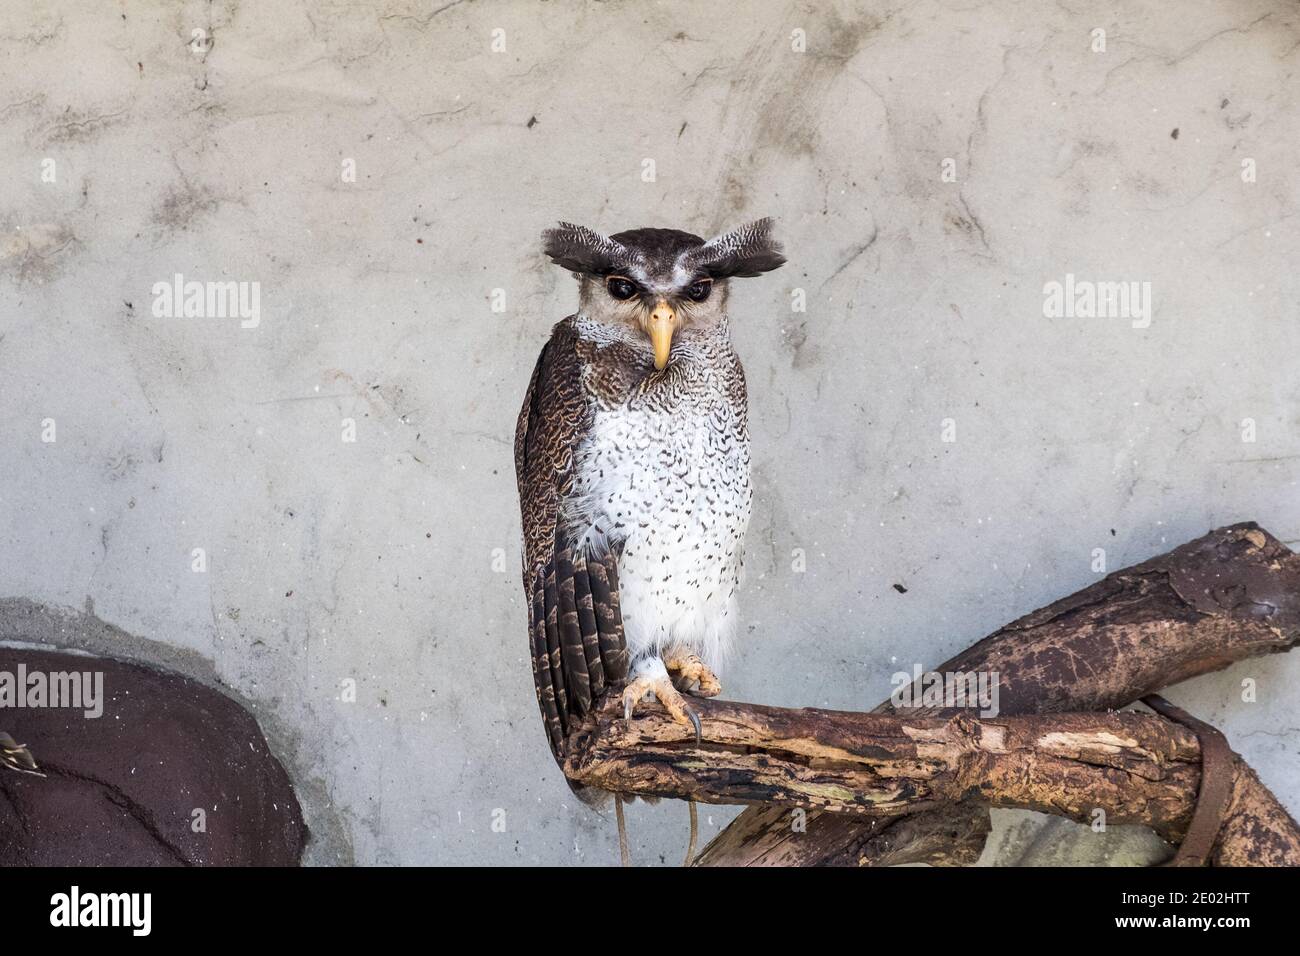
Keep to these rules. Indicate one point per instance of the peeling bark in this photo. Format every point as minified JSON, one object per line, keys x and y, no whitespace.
{"x":786,"y":836}
{"x":1137,"y":768}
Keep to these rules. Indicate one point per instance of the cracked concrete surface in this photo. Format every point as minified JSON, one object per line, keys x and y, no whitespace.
{"x":391,"y":561}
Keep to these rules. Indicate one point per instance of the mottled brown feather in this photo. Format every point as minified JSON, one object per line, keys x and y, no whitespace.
{"x":542,"y":668}
{"x":554,"y":648}
{"x":618,"y":661}
{"x":575,"y":628}
{"x":609,"y":624}
{"x":587,"y":624}
{"x":576,"y":677}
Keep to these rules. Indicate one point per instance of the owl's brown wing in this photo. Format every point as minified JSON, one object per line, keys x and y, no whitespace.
{"x":575,"y":628}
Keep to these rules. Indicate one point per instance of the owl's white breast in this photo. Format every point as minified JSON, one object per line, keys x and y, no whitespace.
{"x":670,"y":483}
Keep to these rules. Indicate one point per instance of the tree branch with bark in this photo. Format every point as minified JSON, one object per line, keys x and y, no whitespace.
{"x":891,"y":787}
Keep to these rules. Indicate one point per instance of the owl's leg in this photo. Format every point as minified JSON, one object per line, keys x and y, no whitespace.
{"x":692,"y":671}
{"x":652,"y":680}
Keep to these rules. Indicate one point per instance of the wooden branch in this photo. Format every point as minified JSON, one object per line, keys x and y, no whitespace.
{"x":782,"y":836}
{"x":1138,"y":769}
{"x":1227,"y":596}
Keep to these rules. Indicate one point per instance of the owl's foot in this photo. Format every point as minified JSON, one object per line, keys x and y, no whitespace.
{"x":661,"y":687}
{"x":691,"y":671}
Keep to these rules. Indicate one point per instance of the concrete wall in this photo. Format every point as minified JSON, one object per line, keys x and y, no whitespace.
{"x":392,"y":560}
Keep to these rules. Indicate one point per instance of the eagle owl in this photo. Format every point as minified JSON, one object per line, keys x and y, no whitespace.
{"x":632,"y":457}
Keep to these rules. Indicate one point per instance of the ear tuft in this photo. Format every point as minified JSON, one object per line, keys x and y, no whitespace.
{"x":582,"y":250}
{"x":748,"y":251}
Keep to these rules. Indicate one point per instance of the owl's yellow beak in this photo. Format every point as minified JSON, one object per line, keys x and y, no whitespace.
{"x":663,"y":323}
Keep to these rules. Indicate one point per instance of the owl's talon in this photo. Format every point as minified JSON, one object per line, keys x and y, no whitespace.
{"x":691,"y":670}
{"x":663,"y":691}
{"x":695,"y":719}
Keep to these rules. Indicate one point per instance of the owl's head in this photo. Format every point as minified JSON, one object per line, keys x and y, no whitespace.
{"x":660,"y":281}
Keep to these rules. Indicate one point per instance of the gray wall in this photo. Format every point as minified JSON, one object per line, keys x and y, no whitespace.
{"x":392,"y":560}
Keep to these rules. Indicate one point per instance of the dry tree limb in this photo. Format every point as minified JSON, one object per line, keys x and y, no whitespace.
{"x":1138,"y":768}
{"x":766,"y":836}
{"x":1227,"y":596}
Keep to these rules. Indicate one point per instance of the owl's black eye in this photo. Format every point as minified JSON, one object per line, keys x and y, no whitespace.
{"x":699,"y":291}
{"x":620,"y":288}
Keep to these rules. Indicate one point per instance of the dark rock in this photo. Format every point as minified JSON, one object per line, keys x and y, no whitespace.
{"x":122,"y":789}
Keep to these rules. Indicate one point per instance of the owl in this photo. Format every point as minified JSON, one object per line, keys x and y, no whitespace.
{"x":633,"y":465}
